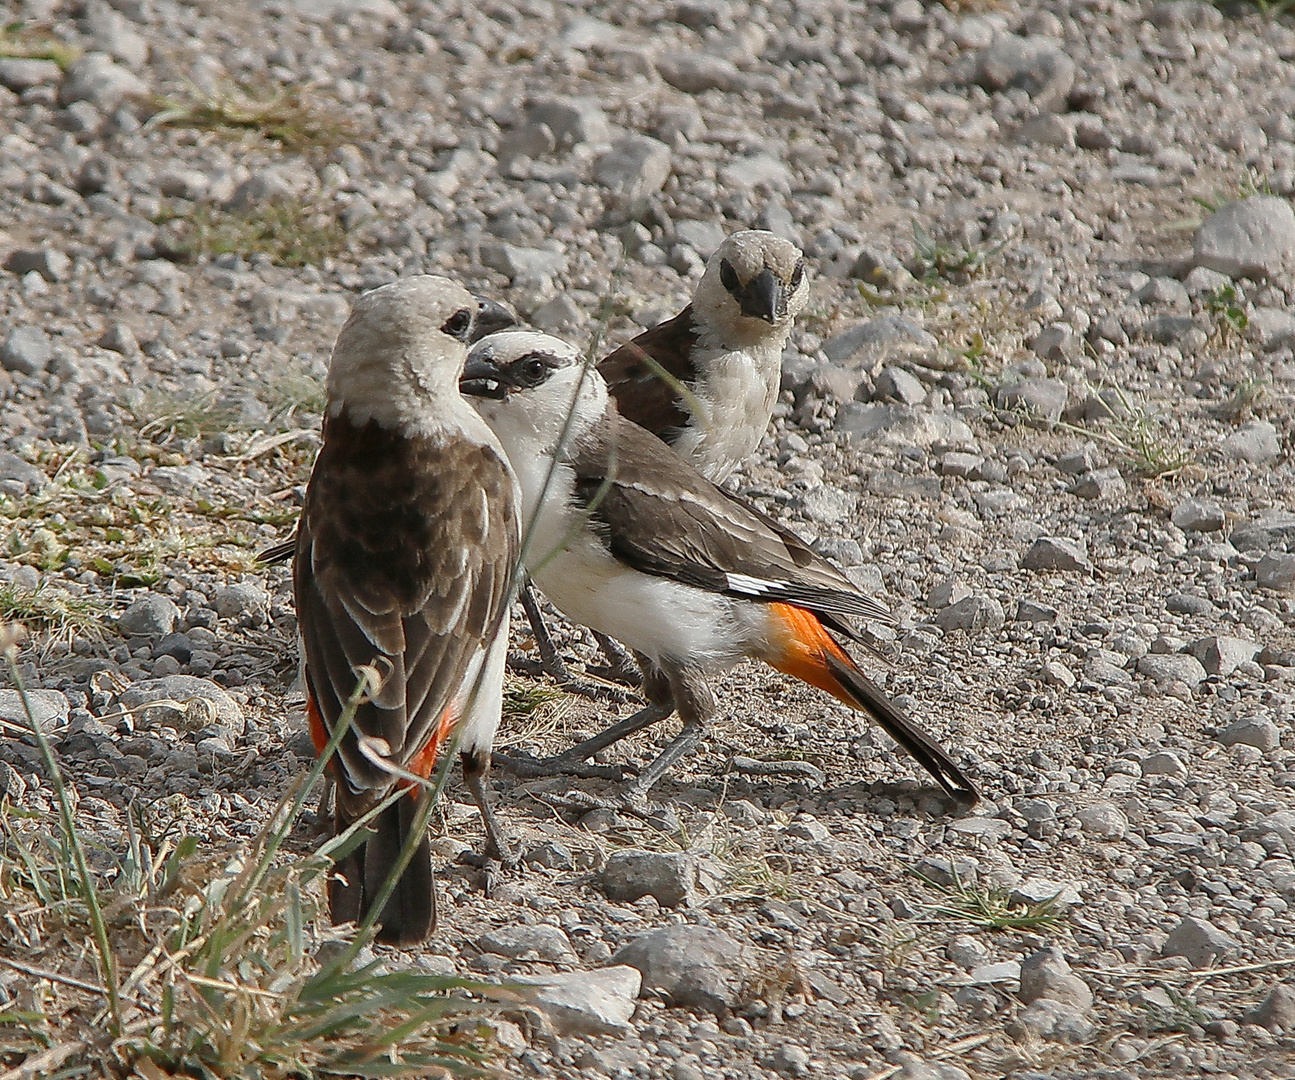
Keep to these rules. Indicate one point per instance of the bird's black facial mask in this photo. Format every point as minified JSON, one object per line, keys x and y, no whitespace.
{"x":484,"y":377}
{"x":763,"y":297}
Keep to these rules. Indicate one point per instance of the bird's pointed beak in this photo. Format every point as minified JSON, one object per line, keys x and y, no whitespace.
{"x":492,"y":317}
{"x":765,"y":297}
{"x":482,"y":378}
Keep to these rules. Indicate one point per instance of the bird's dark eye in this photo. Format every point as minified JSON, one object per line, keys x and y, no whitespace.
{"x":798,"y":275}
{"x":530,"y":371}
{"x":459,"y":324}
{"x":728,"y":276}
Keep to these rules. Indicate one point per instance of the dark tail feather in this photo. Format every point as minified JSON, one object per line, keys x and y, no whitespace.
{"x":410,"y":914}
{"x":280,"y":552}
{"x":911,"y":736}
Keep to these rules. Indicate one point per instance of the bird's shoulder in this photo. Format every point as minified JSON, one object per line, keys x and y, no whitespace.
{"x":645,"y":375}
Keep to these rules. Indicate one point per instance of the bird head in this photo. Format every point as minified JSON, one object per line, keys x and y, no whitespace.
{"x":755,"y":283}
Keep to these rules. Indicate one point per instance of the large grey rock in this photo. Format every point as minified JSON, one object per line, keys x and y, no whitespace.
{"x":49,"y":708}
{"x":1276,"y":570}
{"x":901,"y":424}
{"x":1056,"y":553}
{"x":635,"y":167}
{"x":1257,"y":731}
{"x":1198,"y":515}
{"x":1046,"y":974}
{"x":1220,"y":655}
{"x":886,"y":335}
{"x":691,"y":966}
{"x":538,"y":942}
{"x":149,"y":616}
{"x":1252,"y":238}
{"x":26,"y":350}
{"x":1256,"y":442}
{"x":1103,"y":820}
{"x":896,"y":384}
{"x":586,"y":1002}
{"x":183,"y":702}
{"x":1200,"y":941}
{"x":1036,"y":65}
{"x":1172,"y":667}
{"x":1043,"y":399}
{"x":1277,"y":1011}
{"x":100,"y":80}
{"x":572,"y":120}
{"x":240,"y":599}
{"x":972,"y":613}
{"x":669,"y":877}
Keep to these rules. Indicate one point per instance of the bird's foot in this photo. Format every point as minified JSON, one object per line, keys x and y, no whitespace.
{"x":620,"y":666}
{"x":522,"y":764}
{"x":594,"y":686}
{"x":494,"y":865}
{"x":627,"y":801}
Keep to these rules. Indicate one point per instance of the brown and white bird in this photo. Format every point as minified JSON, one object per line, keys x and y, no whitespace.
{"x":706,"y":381}
{"x":406,"y":556}
{"x":627,"y":538}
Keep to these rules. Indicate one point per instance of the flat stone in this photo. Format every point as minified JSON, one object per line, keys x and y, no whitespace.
{"x":1031,"y":611}
{"x":1187,"y":604}
{"x":1198,"y":515}
{"x":1082,"y":459}
{"x":972,"y":613}
{"x":1036,"y":65}
{"x":100,"y":80}
{"x":1056,"y":673}
{"x":1172,"y":667}
{"x":1276,"y":570}
{"x":635,"y":167}
{"x":691,"y":966}
{"x":538,"y":942}
{"x":1201,"y":942}
{"x":1056,"y":553}
{"x":19,"y":471}
{"x":948,"y":591}
{"x":1002,"y":972}
{"x":955,"y":463}
{"x":1252,"y":238}
{"x":1099,"y":484}
{"x":19,"y":73}
{"x":1271,"y":328}
{"x":697,"y":72}
{"x":573,"y":120}
{"x":1042,"y":399}
{"x":1256,"y":442}
{"x":1257,"y":731}
{"x":900,"y":424}
{"x":150,"y":616}
{"x":1062,"y":895}
{"x":1220,"y":655}
{"x":49,"y":708}
{"x":1105,"y":672}
{"x":959,"y":870}
{"x":1054,"y":1021}
{"x":896,"y":384}
{"x":240,"y":599}
{"x":1163,"y":763}
{"x":1103,"y":820}
{"x":1046,"y":974}
{"x":523,"y":262}
{"x":183,"y":702}
{"x":885,"y":335}
{"x":597,"y":1002}
{"x":669,"y":877}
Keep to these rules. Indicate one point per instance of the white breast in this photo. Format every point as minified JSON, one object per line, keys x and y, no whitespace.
{"x":735,"y":400}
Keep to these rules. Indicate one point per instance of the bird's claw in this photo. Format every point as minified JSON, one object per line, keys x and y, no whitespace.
{"x":625,"y":802}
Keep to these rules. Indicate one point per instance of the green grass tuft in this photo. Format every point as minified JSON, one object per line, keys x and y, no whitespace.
{"x":18,"y":41}
{"x":989,"y":909}
{"x":289,"y":116}
{"x":290,"y":232}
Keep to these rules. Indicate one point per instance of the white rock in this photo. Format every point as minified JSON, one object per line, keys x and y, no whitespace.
{"x":1251,"y":238}
{"x":1200,"y":941}
{"x":1255,"y":442}
{"x":597,"y":1002}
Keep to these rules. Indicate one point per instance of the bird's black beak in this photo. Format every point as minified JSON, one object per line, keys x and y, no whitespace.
{"x":482,"y":378}
{"x":492,"y":317}
{"x":764,"y":297}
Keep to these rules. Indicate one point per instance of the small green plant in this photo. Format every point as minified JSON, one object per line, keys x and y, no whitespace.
{"x":165,"y":417}
{"x":19,"y":41}
{"x":1250,"y":184}
{"x":1227,"y":309}
{"x":1181,"y":1014}
{"x":1246,"y":397}
{"x":988,"y":908}
{"x":1136,"y":433}
{"x":52,"y":611}
{"x":288,"y":116}
{"x":939,"y":260}
{"x":290,"y":232}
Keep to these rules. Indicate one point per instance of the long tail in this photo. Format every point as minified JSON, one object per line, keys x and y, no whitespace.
{"x":809,"y":653}
{"x":410,"y":913}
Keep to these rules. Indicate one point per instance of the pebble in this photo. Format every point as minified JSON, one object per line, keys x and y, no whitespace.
{"x":1056,"y":553}
{"x":1250,"y":238}
{"x":149,"y":616}
{"x":183,"y":702}
{"x":1038,"y":890}
{"x":26,"y":350}
{"x":22,"y":475}
{"x":538,"y":942}
{"x":1105,"y":483}
{"x":101,"y":81}
{"x":1163,"y":763}
{"x":691,"y":966}
{"x":1042,"y":399}
{"x":1046,"y":974}
{"x":1103,"y":820}
{"x":1198,"y":515}
{"x":240,"y":600}
{"x":1256,"y":442}
{"x":1054,"y":1021}
{"x":669,"y":877}
{"x":1033,"y":612}
{"x":635,"y":167}
{"x":1276,"y":570}
{"x":586,"y":1002}
{"x":1256,"y":731}
{"x":886,"y":335}
{"x":896,"y":384}
{"x":1172,"y":667}
{"x":49,"y":708}
{"x":1221,"y":655}
{"x":1277,"y":1011}
{"x":972,"y":613}
{"x":1035,"y":65}
{"x":1201,"y":942}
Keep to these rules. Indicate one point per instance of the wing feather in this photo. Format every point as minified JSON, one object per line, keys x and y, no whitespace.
{"x":634,"y":378}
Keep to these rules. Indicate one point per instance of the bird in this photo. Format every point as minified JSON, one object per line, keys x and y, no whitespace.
{"x":489,"y":317}
{"x":627,"y":538}
{"x":406,"y":559}
{"x":705,"y":381}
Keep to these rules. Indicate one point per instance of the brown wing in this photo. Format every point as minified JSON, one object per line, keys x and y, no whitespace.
{"x":659,"y":515}
{"x":635,"y":382}
{"x":405,"y":555}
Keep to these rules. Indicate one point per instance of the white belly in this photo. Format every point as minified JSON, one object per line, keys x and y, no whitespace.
{"x":735,"y":403}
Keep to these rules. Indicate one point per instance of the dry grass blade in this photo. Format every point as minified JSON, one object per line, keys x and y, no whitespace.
{"x":52,"y":611}
{"x":289,"y":116}
{"x":290,"y":232}
{"x":22,"y":42}
{"x":989,"y":909}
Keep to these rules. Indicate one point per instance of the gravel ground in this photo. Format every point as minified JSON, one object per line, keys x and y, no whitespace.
{"x":1041,"y":402}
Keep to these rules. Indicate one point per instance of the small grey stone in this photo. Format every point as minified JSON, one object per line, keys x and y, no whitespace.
{"x":98,"y":79}
{"x":1277,"y":1011}
{"x":1046,"y":974}
{"x":1202,"y":281}
{"x":1001,"y":972}
{"x":1220,"y":655}
{"x":697,"y":72}
{"x":1056,"y":553}
{"x":523,"y":262}
{"x":1104,"y":820}
{"x":1099,"y":484}
{"x":966,"y":951}
{"x":949,"y":871}
{"x":1172,"y":667}
{"x":702,"y":236}
{"x":947,"y":591}
{"x":49,"y":262}
{"x":635,"y":167}
{"x":1251,"y":238}
{"x":198,"y":702}
{"x":1061,"y":895}
{"x":1036,"y":65}
{"x":1200,"y":941}
{"x":1044,"y":399}
{"x":1163,"y":763}
{"x":827,"y":505}
{"x":538,"y":942}
{"x":49,"y":708}
{"x":1276,"y":570}
{"x":240,"y":599}
{"x":1106,"y":672}
{"x":1058,"y":342}
{"x":1256,"y":731}
{"x":19,"y":472}
{"x":1256,"y":442}
{"x":19,"y":73}
{"x":179,"y":479}
{"x":1169,"y":329}
{"x":896,"y":384}
{"x":586,"y":1002}
{"x":1164,"y":290}
{"x":972,"y":613}
{"x":551,"y":855}
{"x":149,"y":616}
{"x":692,"y":966}
{"x":1056,"y":673}
{"x":26,"y":350}
{"x":791,"y":1060}
{"x":572,"y":120}
{"x":884,"y":335}
{"x":1198,"y":515}
{"x":1031,"y":611}
{"x":1054,"y":1021}
{"x":113,"y":34}
{"x":900,"y":424}
{"x":670,"y":877}
{"x":955,"y":463}
{"x":1187,"y":604}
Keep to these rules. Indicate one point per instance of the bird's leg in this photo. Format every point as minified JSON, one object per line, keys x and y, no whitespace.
{"x":571,"y":762}
{"x":551,"y":663}
{"x":475,"y":766}
{"x":620,"y":665}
